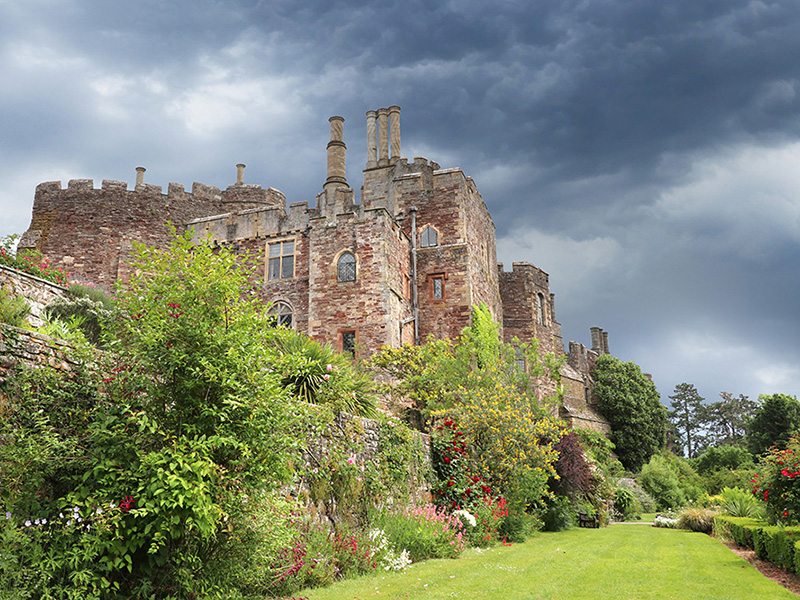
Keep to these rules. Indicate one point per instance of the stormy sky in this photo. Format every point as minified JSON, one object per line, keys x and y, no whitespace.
{"x":646,"y":154}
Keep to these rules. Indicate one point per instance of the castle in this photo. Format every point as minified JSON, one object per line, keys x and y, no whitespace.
{"x":408,"y":261}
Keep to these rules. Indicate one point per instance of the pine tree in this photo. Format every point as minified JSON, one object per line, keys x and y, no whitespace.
{"x":688,"y":418}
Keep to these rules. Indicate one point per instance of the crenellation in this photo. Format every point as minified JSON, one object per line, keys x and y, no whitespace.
{"x":77,"y":185}
{"x":175,"y":189}
{"x":111,"y":184}
{"x":201,"y":190}
{"x":48,"y":187}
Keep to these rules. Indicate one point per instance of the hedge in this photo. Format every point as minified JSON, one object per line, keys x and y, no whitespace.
{"x":778,"y":545}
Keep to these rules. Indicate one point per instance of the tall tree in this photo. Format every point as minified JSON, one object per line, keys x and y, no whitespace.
{"x":688,"y":418}
{"x":775,"y":421}
{"x":727,"y":419}
{"x":632,"y":405}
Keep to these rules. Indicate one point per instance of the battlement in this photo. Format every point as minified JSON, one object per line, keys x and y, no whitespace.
{"x":174,"y":190}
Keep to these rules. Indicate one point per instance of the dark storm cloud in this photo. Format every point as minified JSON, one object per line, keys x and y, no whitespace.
{"x":641,"y":152}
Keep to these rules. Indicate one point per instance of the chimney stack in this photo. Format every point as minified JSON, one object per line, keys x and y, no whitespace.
{"x":336,"y":155}
{"x":383,"y":129}
{"x":394,"y":129}
{"x":140,"y":176}
{"x":597,"y":343}
{"x":240,"y":174}
{"x":372,"y":139}
{"x":383,"y":137}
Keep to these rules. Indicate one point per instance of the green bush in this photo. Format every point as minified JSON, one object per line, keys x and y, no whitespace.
{"x":739,"y":529}
{"x":13,"y":309}
{"x":559,"y":515}
{"x":626,"y":505}
{"x":718,"y":458}
{"x":661,"y":482}
{"x":737,"y":502}
{"x":697,"y":519}
{"x":82,"y":313}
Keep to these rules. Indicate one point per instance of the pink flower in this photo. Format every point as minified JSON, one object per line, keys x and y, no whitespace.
{"x":329,"y":367}
{"x":326,"y":377}
{"x":351,"y":460}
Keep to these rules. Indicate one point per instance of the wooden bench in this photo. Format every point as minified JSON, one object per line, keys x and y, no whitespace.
{"x":585,"y":520}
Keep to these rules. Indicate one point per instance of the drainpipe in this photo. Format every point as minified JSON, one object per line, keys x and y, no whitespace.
{"x":414,"y":299}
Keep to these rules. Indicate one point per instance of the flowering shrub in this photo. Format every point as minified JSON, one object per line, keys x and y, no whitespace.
{"x":30,"y":262}
{"x":385,"y":555}
{"x":778,"y":485}
{"x":424,"y":531}
{"x":668,"y":520}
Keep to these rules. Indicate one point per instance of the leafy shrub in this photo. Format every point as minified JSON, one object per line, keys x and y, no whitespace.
{"x":80,"y":289}
{"x":574,"y":473}
{"x":316,"y":373}
{"x":81,"y":313}
{"x":697,"y":519}
{"x":661,"y":482}
{"x":737,"y":502}
{"x":13,"y":309}
{"x":718,"y":458}
{"x":559,"y":515}
{"x":626,"y":506}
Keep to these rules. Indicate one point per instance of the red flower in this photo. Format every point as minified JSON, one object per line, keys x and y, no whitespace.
{"x":126,"y":503}
{"x":447,"y":459}
{"x":450,"y":483}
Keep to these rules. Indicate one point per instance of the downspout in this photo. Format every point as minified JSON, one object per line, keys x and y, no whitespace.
{"x":414,"y":300}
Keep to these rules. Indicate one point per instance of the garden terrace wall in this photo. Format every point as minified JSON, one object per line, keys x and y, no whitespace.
{"x":37,"y":291}
{"x":20,"y":346}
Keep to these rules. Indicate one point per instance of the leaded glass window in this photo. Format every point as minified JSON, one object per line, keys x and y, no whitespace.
{"x":346,"y":267}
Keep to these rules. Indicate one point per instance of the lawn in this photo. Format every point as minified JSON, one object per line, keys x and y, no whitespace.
{"x":620,"y":562}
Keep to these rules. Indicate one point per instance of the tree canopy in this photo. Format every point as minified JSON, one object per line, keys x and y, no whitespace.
{"x":774,"y":422}
{"x":631,"y":404}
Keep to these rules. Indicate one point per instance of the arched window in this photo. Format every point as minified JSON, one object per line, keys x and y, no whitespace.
{"x":541,"y":309}
{"x":346,"y":267}
{"x":283,"y":314}
{"x":429,"y":237}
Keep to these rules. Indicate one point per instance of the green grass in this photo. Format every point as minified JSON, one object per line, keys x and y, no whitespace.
{"x":629,"y":562}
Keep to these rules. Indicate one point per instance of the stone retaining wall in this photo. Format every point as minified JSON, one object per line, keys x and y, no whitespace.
{"x":33,"y":349}
{"x":37,"y":291}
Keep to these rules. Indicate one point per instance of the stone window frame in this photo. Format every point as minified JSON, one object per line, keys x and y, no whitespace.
{"x":280,"y":259}
{"x":431,"y":279}
{"x":339,"y":257}
{"x":422,"y":234}
{"x":275,"y":310}
{"x":342,"y":335}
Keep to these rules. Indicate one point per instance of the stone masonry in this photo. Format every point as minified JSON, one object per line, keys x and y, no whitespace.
{"x":408,"y":260}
